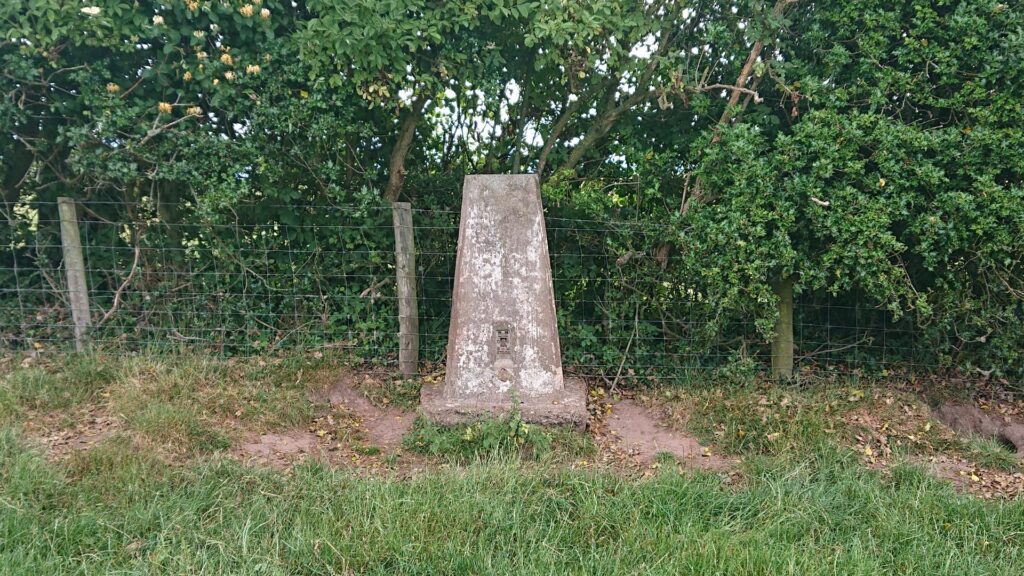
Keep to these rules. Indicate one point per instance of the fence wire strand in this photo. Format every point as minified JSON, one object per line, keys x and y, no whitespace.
{"x":267,"y":278}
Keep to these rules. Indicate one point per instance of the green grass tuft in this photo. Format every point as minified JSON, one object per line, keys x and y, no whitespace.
{"x":77,"y":379}
{"x":484,"y":439}
{"x":177,"y":425}
{"x":991,"y":453}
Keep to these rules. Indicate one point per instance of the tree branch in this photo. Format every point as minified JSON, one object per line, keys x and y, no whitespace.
{"x":127,"y":280}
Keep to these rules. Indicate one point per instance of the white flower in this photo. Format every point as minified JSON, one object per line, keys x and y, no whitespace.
{"x":158,"y":20}
{"x":92,"y":10}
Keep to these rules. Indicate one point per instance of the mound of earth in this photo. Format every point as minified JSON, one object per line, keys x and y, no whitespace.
{"x":969,"y":419}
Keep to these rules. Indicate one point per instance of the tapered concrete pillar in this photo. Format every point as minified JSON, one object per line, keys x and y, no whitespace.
{"x":503,"y":349}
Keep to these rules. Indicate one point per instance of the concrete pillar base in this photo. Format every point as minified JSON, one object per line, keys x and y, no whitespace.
{"x":564,"y":407}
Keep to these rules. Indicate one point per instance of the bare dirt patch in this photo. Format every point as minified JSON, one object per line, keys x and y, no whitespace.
{"x":934,"y":440}
{"x":632,"y":435}
{"x":351,"y":432}
{"x":67,"y":432}
{"x":983,"y":482}
{"x":381,"y":427}
{"x":279,"y":450}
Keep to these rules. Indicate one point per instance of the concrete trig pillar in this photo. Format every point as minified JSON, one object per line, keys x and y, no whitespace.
{"x":503,"y":339}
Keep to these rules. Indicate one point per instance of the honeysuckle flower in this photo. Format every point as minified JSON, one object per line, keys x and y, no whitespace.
{"x":201,"y":55}
{"x":164,"y":107}
{"x":91,"y":10}
{"x":229,"y":76}
{"x":252,"y":69}
{"x":247,"y":10}
{"x":187,"y":76}
{"x":113,"y":88}
{"x":158,"y":20}
{"x":265,"y":14}
{"x":194,"y":111}
{"x":226,"y":58}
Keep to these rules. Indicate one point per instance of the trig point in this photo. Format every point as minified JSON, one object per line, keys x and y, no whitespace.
{"x":503,"y":339}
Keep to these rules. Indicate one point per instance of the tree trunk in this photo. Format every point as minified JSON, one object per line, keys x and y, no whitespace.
{"x":19,"y":164}
{"x":396,"y":164}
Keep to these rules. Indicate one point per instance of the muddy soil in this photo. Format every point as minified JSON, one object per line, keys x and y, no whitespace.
{"x":631,"y":434}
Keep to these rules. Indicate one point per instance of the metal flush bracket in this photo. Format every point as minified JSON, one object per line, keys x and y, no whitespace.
{"x":503,"y":336}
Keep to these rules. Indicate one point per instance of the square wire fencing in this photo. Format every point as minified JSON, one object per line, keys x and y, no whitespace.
{"x":264,"y":278}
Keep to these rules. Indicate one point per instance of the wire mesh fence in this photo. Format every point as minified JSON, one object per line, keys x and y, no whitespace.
{"x":265,"y":278}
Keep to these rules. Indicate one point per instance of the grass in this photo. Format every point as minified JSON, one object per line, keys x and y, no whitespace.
{"x":992,"y":454}
{"x":771,"y":419}
{"x":806,"y":503}
{"x":128,"y":513}
{"x":78,"y":380}
{"x":509,"y":438}
{"x":177,"y":425}
{"x":182,"y":404}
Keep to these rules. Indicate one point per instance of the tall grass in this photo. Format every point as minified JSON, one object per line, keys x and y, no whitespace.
{"x":114,"y":510}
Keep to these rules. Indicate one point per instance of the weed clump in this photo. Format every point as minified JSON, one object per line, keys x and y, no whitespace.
{"x":504,"y":437}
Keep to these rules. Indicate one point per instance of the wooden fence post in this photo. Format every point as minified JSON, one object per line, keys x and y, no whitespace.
{"x":405,"y":272}
{"x":782,"y":340}
{"x":74,"y":270}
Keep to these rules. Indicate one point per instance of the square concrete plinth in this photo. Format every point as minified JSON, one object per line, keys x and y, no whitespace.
{"x":565,"y":407}
{"x":503,"y":339}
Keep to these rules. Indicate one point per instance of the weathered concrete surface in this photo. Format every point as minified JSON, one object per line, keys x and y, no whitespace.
{"x":565,"y":407}
{"x":503,"y":339}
